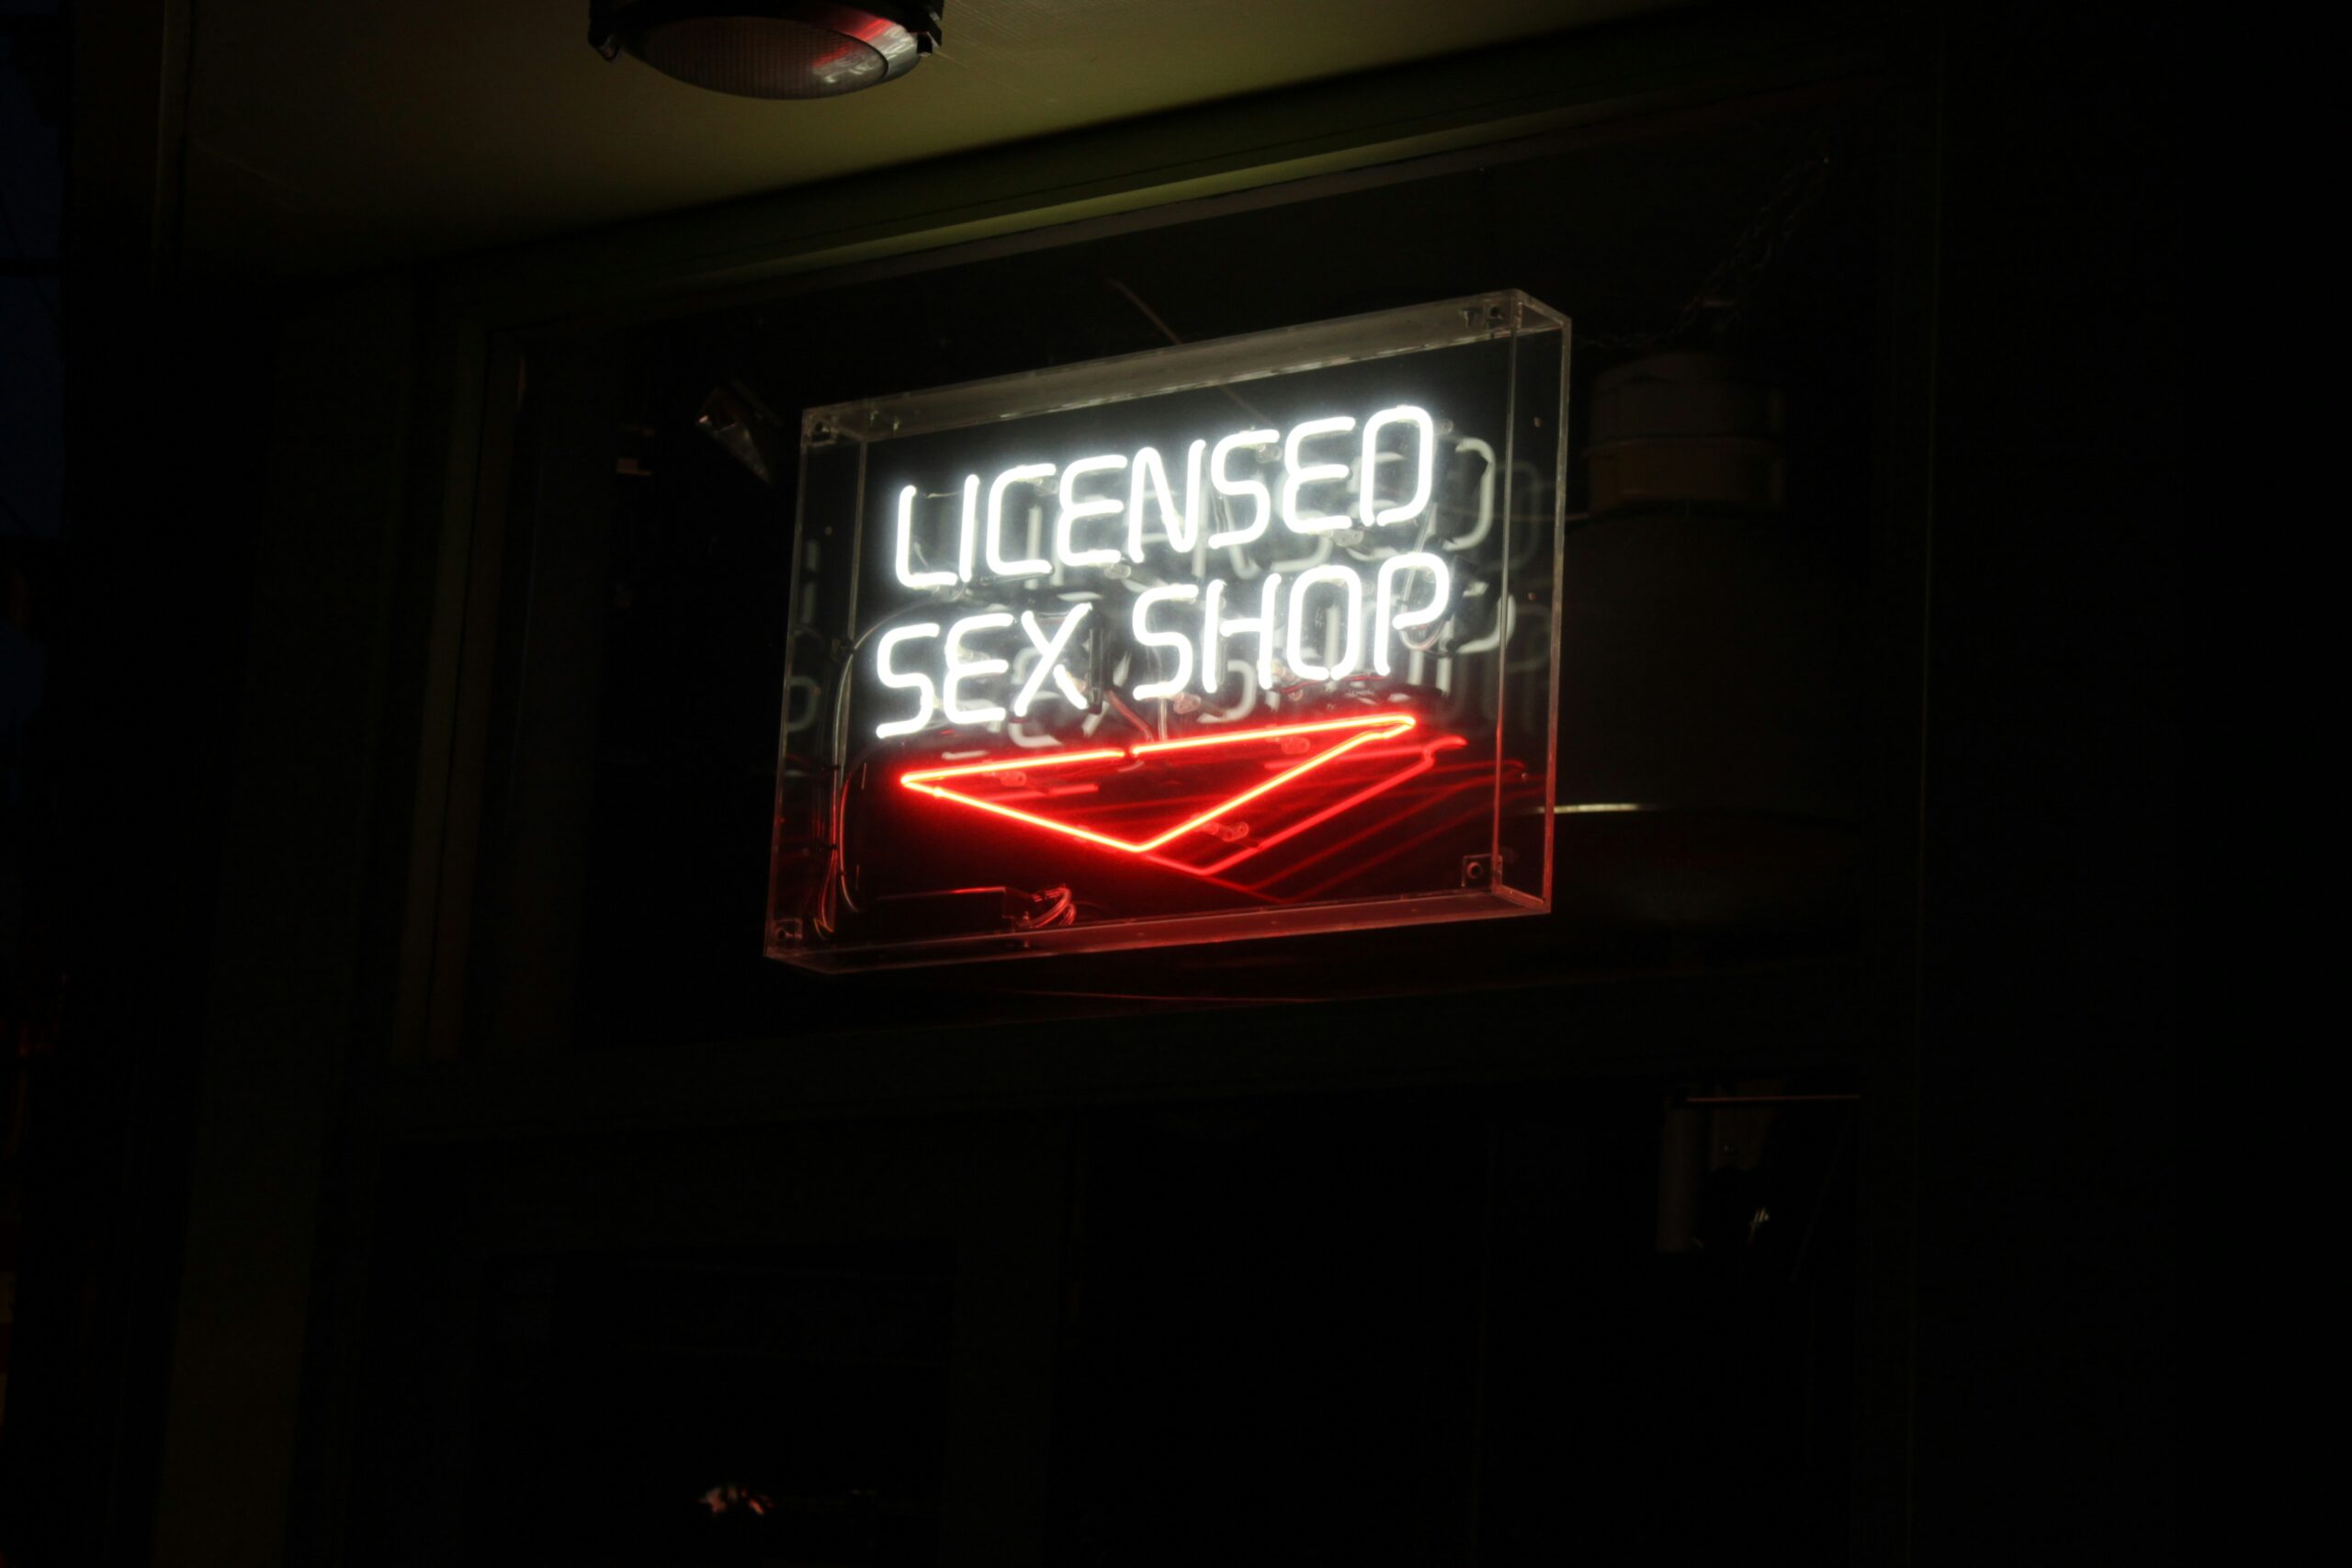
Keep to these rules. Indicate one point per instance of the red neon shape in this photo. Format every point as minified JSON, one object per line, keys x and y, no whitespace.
{"x":1427,"y":760}
{"x":1368,"y":728}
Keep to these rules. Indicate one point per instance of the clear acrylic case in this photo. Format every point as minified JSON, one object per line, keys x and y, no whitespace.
{"x":1124,"y":654}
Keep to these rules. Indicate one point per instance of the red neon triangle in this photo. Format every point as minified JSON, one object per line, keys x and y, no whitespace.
{"x":1007,"y":786}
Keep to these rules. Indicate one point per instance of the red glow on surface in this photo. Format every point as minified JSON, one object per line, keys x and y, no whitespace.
{"x":1425,"y":759}
{"x":1352,"y":733}
{"x":1022,"y":763}
{"x":1390,"y":723}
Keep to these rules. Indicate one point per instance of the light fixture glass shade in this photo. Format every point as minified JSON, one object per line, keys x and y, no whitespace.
{"x":782,"y":49}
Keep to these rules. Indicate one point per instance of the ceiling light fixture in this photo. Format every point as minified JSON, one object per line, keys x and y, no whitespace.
{"x":770,"y":49}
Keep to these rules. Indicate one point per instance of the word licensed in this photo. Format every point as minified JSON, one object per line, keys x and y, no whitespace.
{"x":1113,"y":507}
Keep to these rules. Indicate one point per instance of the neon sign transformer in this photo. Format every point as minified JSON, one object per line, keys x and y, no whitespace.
{"x":1229,"y":640}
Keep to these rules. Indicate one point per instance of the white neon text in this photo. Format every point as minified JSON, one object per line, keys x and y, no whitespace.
{"x":1301,"y":475}
{"x":1208,"y":468}
{"x":1049,"y":662}
{"x":1332,"y":606}
{"x":918,"y":683}
{"x":1183,"y":527}
{"x":1425,"y":472}
{"x":907,"y":572}
{"x":1255,"y":489}
{"x":1215,"y":627}
{"x":960,"y":668}
{"x":1386,"y":619}
{"x":1182,"y":647}
{"x":1296,"y":649}
{"x":1076,"y":511}
{"x":997,"y":565}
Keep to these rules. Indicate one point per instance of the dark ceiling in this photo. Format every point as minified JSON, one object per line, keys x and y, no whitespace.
{"x":324,"y":136}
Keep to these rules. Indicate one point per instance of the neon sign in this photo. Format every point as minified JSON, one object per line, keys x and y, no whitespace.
{"x":1234,"y":639}
{"x":1364,"y":598}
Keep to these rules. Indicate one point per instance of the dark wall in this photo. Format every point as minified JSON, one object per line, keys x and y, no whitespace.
{"x":2047,"y":1135}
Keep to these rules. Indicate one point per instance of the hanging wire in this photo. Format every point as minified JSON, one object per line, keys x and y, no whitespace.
{"x":1720,"y":301}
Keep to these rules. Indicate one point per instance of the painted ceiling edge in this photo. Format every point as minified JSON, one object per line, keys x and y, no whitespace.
{"x":655,"y":265}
